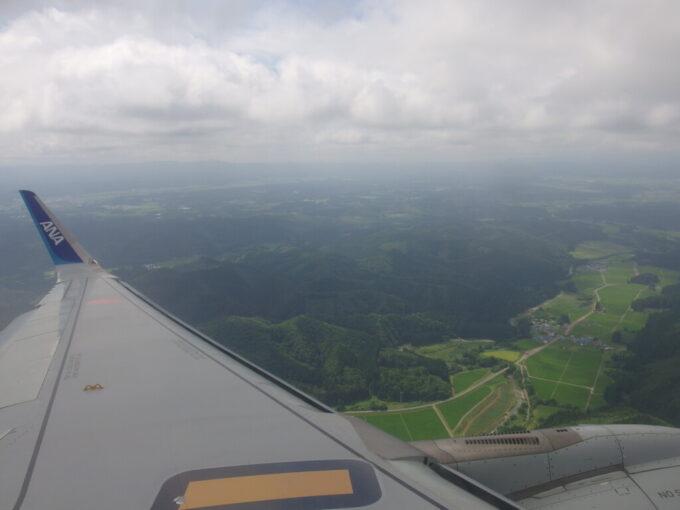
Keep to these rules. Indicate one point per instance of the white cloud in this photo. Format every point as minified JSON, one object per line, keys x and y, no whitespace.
{"x":243,"y":81}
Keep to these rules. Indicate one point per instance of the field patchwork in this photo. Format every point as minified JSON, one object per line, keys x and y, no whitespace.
{"x":544,"y":389}
{"x":619,"y":273}
{"x":583,"y":367}
{"x":571,"y":305}
{"x":616,"y":299}
{"x":454,"y":410}
{"x":409,"y":425}
{"x":549,"y":363}
{"x":587,"y":281}
{"x":488,"y":414}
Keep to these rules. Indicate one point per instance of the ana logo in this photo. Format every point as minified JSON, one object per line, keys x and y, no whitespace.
{"x":52,"y":232}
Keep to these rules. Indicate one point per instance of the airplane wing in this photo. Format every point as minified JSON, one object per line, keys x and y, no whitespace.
{"x":109,"y":402}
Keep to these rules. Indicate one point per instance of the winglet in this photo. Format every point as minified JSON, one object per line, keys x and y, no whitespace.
{"x":60,"y":244}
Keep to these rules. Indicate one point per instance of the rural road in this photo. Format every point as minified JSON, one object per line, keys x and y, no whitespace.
{"x":482,"y":381}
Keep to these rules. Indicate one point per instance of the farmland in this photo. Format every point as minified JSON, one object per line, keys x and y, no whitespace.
{"x":488,"y":413}
{"x":565,"y":374}
{"x":549,"y":363}
{"x":464,"y":380}
{"x":477,"y":411}
{"x":563,"y":371}
{"x":571,"y":305}
{"x":582,"y":368}
{"x":409,"y":426}
{"x":454,"y":410}
{"x":617,"y":298}
{"x":565,"y":365}
{"x":571,"y":395}
{"x":598,"y":307}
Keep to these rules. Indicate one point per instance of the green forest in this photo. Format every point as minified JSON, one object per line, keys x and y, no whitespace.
{"x":647,"y":377}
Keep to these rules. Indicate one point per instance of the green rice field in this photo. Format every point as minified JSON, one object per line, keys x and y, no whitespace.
{"x":454,"y":410}
{"x":409,"y":425}
{"x":583,"y":367}
{"x":571,"y":395}
{"x":617,"y":298}
{"x":486,"y":417}
{"x":564,"y":372}
{"x":464,"y":380}
{"x":549,"y":363}
{"x":544,"y":389}
{"x":587,"y":281}
{"x":572,"y":305}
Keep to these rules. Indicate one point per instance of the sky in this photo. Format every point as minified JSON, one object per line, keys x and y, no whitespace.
{"x":336,"y":81}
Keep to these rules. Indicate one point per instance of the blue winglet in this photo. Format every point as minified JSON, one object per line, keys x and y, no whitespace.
{"x":51,"y":232}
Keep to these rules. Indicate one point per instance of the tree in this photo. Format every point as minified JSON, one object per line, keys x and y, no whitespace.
{"x":376,"y":405}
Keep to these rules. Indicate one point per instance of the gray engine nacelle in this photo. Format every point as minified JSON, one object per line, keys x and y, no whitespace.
{"x":546,"y":466}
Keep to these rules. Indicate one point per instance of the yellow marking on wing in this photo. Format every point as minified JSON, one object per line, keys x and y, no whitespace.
{"x":248,"y":489}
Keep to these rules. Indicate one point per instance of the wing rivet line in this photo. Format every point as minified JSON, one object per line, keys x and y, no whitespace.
{"x":92,"y":387}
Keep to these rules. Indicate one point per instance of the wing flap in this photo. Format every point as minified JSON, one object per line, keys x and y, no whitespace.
{"x":23,"y":367}
{"x":26,"y":352}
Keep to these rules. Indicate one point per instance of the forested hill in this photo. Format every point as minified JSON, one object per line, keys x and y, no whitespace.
{"x":331,"y":318}
{"x":336,"y":364}
{"x":470,"y":295}
{"x":648,"y":377}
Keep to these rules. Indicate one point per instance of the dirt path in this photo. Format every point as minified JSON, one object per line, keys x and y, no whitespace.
{"x":408,"y":431}
{"x":579,"y":320}
{"x":562,"y":382}
{"x":629,"y":309}
{"x":527,"y":354}
{"x":592,"y":390}
{"x":564,"y":370}
{"x":596,"y":293}
{"x":443,"y":420}
{"x":519,"y":397}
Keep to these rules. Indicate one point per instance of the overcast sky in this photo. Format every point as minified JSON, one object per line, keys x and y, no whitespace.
{"x":371,"y":81}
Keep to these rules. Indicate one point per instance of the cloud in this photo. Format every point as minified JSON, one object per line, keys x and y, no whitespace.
{"x":374,"y":79}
